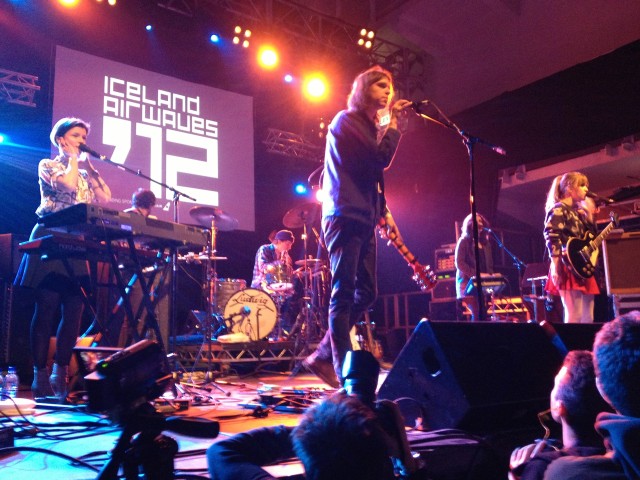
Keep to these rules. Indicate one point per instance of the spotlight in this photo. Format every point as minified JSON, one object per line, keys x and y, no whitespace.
{"x":2,"y":138}
{"x":149,"y":27}
{"x":288,"y":78}
{"x":267,"y":57}
{"x":214,"y":38}
{"x":111,"y":2}
{"x":315,"y":87}
{"x":366,"y":38}
{"x":69,"y":3}
{"x":241,"y":36}
{"x":300,"y":188}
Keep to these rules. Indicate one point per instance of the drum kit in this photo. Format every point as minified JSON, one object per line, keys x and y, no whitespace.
{"x":236,"y":313}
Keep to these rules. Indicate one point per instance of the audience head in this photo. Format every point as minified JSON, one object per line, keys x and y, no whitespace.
{"x":574,"y":396}
{"x":340,"y":439}
{"x":616,"y":351}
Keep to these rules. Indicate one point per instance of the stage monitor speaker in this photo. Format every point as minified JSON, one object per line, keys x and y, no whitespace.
{"x":475,"y":376}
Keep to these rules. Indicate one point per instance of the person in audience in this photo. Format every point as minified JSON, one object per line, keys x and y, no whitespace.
{"x":616,"y":351}
{"x":574,"y":403}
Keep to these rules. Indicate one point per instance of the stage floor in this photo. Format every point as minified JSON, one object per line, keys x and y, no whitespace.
{"x":44,"y":432}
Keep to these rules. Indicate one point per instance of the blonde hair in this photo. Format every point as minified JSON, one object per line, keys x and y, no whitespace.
{"x":358,"y":98}
{"x":467,"y":225}
{"x":561,"y":185}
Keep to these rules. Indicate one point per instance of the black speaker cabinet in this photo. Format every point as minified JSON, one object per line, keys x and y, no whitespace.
{"x":474,"y":376}
{"x":577,"y":336}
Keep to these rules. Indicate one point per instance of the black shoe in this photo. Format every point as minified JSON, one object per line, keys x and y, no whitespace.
{"x":323,"y":369}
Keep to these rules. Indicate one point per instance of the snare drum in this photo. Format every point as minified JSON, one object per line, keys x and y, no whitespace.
{"x":225,"y":288}
{"x":278,"y":277}
{"x":251,"y":312}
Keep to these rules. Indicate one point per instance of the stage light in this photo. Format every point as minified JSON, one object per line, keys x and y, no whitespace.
{"x":319,"y":194}
{"x":149,"y":27}
{"x":300,"y":188}
{"x":214,"y":38}
{"x":69,"y":3}
{"x":288,"y":78}
{"x":366,"y":38}
{"x":268,"y":57}
{"x":111,"y":2}
{"x":2,"y":138}
{"x":315,"y":87}
{"x":241,"y":36}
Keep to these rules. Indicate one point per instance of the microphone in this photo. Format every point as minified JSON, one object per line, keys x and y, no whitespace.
{"x":418,"y":105}
{"x":598,"y":199}
{"x":84,"y":148}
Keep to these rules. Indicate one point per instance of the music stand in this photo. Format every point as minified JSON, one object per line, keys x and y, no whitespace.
{"x":492,"y":285}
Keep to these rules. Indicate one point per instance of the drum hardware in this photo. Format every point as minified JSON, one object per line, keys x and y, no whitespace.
{"x":216,"y":220}
{"x":308,"y":325}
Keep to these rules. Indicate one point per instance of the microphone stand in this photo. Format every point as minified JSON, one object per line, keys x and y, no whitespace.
{"x":469,"y":141}
{"x":174,"y":253}
{"x":519,"y":264}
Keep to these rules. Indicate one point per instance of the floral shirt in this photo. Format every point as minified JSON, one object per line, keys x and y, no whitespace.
{"x":563,"y":223}
{"x":267,"y":256}
{"x":53,"y":199}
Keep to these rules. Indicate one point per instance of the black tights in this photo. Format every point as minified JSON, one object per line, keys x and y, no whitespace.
{"x":47,"y":302}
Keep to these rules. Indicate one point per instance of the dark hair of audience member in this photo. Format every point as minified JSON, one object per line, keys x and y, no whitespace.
{"x":616,"y":351}
{"x":340,"y":439}
{"x":579,"y":394}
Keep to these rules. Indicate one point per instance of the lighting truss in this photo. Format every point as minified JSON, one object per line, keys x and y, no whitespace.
{"x":292,"y":145}
{"x":18,"y":88}
{"x":299,"y":24}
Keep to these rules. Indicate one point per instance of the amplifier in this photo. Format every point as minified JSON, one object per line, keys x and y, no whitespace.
{"x":445,"y":258}
{"x":444,"y":289}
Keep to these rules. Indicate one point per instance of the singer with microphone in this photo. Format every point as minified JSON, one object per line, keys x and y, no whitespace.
{"x":65,"y":180}
{"x":465,"y":262}
{"x":361,"y":144}
{"x":568,"y":216}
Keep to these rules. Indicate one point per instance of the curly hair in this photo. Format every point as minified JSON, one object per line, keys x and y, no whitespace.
{"x":340,"y":439}
{"x":358,"y":98}
{"x":616,"y":351}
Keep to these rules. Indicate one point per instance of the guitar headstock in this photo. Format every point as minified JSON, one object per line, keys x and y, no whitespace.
{"x":424,"y":276}
{"x":613,"y":216}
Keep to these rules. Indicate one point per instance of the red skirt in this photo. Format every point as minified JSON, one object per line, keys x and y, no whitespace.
{"x":571,"y":282}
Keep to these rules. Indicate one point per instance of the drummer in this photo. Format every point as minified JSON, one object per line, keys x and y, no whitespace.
{"x":273,"y":263}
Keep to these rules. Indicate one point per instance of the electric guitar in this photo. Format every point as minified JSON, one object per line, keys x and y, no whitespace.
{"x":581,"y":254}
{"x":422,"y":274}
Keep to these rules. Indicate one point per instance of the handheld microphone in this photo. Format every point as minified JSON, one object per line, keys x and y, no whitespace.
{"x":84,"y":148}
{"x":598,"y":199}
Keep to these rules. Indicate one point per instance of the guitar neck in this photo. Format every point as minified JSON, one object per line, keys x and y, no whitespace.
{"x":399,"y":245}
{"x":596,"y":242}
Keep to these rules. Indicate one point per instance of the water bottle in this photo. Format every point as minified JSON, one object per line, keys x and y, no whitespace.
{"x":11,"y":383}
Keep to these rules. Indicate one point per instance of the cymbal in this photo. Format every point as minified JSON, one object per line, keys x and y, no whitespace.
{"x":207,"y":215}
{"x":299,"y":216}
{"x":310,"y":262}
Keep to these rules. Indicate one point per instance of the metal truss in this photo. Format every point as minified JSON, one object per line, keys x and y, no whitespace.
{"x":292,"y":145}
{"x":301,"y":25}
{"x":225,"y":354}
{"x":18,"y":88}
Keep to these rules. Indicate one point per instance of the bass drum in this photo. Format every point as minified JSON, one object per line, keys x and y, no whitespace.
{"x":225,"y":288}
{"x":251,"y":312}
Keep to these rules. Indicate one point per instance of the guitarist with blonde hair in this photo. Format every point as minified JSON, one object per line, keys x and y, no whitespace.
{"x":566,"y":219}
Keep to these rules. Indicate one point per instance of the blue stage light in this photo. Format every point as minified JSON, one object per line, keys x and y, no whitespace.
{"x":214,"y":38}
{"x":149,"y":27}
{"x":300,"y":189}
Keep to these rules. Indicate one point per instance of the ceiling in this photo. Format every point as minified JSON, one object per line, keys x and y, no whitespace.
{"x":479,"y":49}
